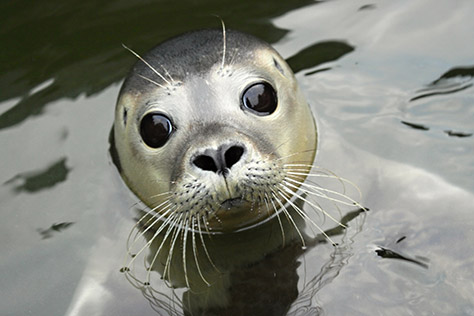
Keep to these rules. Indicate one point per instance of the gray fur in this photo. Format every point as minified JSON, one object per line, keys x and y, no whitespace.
{"x":198,"y":50}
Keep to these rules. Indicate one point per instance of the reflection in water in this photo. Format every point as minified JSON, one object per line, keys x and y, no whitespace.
{"x":416,"y":126}
{"x":368,"y":7}
{"x":457,"y":134}
{"x":452,"y":81}
{"x":455,"y":80}
{"x":305,"y":304}
{"x":55,"y":46}
{"x":252,"y":272}
{"x":391,"y":252}
{"x":457,"y":72}
{"x":425,"y":128}
{"x":318,"y":54}
{"x":38,"y":180}
{"x":441,"y":89}
{"x":79,"y":44}
{"x":55,"y":228}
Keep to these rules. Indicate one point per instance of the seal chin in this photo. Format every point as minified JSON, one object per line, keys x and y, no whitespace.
{"x":235,"y":214}
{"x":233,"y":203}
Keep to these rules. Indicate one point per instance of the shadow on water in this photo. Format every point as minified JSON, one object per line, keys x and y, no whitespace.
{"x":457,"y":72}
{"x":318,"y":54}
{"x":367,"y":7}
{"x":35,"y":181}
{"x":457,"y":134}
{"x":454,"y":80}
{"x":54,"y":229}
{"x":62,"y":51}
{"x":394,"y":251}
{"x":391,"y":254}
{"x":416,"y":126}
{"x":422,"y":127}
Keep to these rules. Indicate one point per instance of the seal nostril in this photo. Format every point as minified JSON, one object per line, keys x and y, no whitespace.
{"x":219,"y":160}
{"x":233,"y":155}
{"x":205,"y":162}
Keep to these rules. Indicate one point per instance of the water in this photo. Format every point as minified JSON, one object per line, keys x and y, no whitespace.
{"x":364,"y":66}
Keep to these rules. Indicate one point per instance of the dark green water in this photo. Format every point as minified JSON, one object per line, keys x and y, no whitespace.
{"x":390,"y":83}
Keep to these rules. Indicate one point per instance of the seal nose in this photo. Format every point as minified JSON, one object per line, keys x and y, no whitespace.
{"x":219,"y":160}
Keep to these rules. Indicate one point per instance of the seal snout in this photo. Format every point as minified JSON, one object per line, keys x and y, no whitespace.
{"x":219,"y":160}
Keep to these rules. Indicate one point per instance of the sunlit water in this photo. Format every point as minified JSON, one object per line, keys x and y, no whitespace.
{"x":390,"y":84}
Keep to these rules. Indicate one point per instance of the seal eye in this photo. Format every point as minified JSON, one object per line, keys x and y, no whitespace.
{"x":155,"y":129}
{"x":260,"y":99}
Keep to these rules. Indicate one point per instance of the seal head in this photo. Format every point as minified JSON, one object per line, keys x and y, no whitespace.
{"x":207,"y":125}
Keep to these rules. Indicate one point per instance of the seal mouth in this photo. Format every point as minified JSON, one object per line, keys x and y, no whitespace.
{"x":233,"y":203}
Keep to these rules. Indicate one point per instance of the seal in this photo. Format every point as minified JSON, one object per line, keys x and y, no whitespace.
{"x":213,"y":134}
{"x":208,"y":126}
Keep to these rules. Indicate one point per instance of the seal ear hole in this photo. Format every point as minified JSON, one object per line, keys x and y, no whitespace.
{"x":155,"y":129}
{"x":125,"y":112}
{"x":260,"y":99}
{"x":278,"y":66}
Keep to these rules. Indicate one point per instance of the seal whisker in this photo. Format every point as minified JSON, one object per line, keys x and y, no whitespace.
{"x":152,"y":81}
{"x":288,"y":216}
{"x":147,"y":245}
{"x":151,"y":213}
{"x":176,"y":230}
{"x":184,"y":237}
{"x":195,"y":250}
{"x":224,"y":43}
{"x":205,"y":220}
{"x":309,"y":167}
{"x":310,"y":184}
{"x":170,"y":228}
{"x":313,"y":191}
{"x":265,"y":200}
{"x":323,"y":174}
{"x":146,"y":63}
{"x":150,"y":227}
{"x":137,"y":283}
{"x":204,"y":245}
{"x":302,"y":165}
{"x":279,"y":223}
{"x":319,"y":191}
{"x":278,"y":147}
{"x":306,"y":217}
{"x":161,"y":194}
{"x":317,"y":207}
{"x":293,"y":154}
{"x":139,"y":202}
{"x":152,"y":217}
{"x":232,"y":59}
{"x":139,"y":233}
{"x":167,"y":73}
{"x":306,"y":167}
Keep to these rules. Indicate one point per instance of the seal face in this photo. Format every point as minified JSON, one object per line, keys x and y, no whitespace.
{"x":207,"y":126}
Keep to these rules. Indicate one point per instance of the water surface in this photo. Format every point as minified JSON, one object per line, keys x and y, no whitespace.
{"x":390,"y":83}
